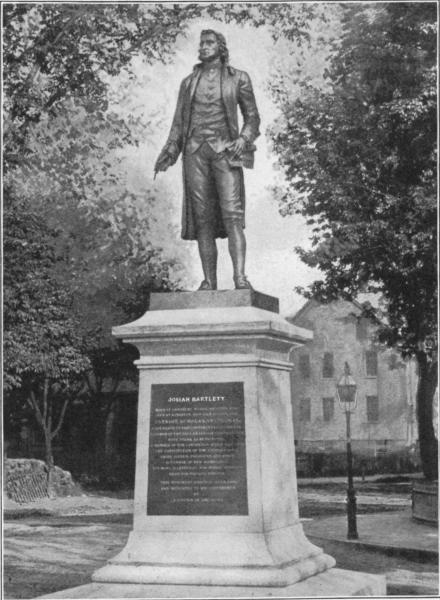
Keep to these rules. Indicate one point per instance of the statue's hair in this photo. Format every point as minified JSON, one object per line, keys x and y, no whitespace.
{"x":224,"y":52}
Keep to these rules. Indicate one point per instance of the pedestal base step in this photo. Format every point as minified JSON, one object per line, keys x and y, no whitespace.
{"x":334,"y":582}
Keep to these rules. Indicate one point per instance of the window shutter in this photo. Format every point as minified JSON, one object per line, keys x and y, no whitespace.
{"x":304,"y":409}
{"x":372,"y":409}
{"x":362,"y":329}
{"x":371,"y":363}
{"x":328,"y":409}
{"x":327,"y":365}
{"x":304,"y":366}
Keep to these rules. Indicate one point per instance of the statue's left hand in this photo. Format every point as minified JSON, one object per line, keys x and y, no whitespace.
{"x":236,"y":147}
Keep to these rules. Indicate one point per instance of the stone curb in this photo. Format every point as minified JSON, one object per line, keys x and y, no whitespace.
{"x":410,"y":553}
{"x":16,"y":515}
{"x":377,"y":478}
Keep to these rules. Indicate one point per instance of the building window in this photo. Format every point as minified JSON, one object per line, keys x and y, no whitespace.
{"x":392,"y":362}
{"x":361,"y":328}
{"x":304,"y":409}
{"x":372,"y":409}
{"x":328,"y":408}
{"x":371,"y":363}
{"x":327,"y":365}
{"x":304,"y":366}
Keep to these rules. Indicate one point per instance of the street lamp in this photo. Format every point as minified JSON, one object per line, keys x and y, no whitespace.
{"x":346,"y":390}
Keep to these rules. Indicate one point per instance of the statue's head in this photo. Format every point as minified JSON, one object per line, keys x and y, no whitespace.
{"x":212,"y":46}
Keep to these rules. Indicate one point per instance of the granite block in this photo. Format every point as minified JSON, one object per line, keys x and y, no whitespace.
{"x":334,"y":583}
{"x":213,"y":299}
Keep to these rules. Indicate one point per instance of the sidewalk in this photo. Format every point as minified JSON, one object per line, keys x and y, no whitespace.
{"x":395,"y":533}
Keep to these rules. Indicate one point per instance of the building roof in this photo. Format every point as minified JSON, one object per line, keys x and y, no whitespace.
{"x":309,"y":304}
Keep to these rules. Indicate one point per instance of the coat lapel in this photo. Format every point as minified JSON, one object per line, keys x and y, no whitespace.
{"x":189,"y":95}
{"x":193,"y":84}
{"x":229,"y":94}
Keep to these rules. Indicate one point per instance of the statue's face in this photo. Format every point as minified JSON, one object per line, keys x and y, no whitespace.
{"x":209,"y":48}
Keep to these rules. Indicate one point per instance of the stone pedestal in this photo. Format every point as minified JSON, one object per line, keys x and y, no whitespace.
{"x":215,"y":490}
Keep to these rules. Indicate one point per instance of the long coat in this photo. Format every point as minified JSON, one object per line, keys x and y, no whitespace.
{"x":236,"y":90}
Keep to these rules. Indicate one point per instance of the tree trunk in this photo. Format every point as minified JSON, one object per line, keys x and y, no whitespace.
{"x":108,"y":436}
{"x":425,"y":397}
{"x":50,"y":464}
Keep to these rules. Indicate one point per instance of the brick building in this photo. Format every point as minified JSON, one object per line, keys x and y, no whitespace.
{"x":384,"y":429}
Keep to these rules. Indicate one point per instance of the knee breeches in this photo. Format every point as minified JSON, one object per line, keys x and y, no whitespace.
{"x":212,"y":184}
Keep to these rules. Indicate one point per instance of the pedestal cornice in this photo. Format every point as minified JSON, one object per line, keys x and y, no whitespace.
{"x":202,"y":322}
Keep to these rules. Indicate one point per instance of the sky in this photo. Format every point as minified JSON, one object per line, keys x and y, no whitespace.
{"x":272,"y":265}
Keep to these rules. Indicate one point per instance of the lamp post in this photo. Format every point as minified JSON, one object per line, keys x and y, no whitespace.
{"x":346,"y":390}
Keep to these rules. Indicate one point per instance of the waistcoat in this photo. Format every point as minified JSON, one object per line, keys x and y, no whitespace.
{"x":208,"y":118}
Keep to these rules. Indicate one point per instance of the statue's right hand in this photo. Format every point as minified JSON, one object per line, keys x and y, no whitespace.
{"x":163,"y":162}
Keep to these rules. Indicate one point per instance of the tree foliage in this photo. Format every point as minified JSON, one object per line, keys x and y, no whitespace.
{"x":359,"y":153}
{"x":56,"y":51}
{"x":41,"y":332}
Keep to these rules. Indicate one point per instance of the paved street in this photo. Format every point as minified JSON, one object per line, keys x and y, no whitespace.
{"x":56,"y":544}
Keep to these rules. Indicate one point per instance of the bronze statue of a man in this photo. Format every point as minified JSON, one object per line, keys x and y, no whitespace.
{"x":214,"y":152}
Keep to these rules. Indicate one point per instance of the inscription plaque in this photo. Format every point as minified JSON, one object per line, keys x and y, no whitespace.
{"x":197,"y":451}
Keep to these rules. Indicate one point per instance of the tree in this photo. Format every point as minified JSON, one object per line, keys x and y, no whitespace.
{"x":42,"y":348}
{"x":359,"y":154}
